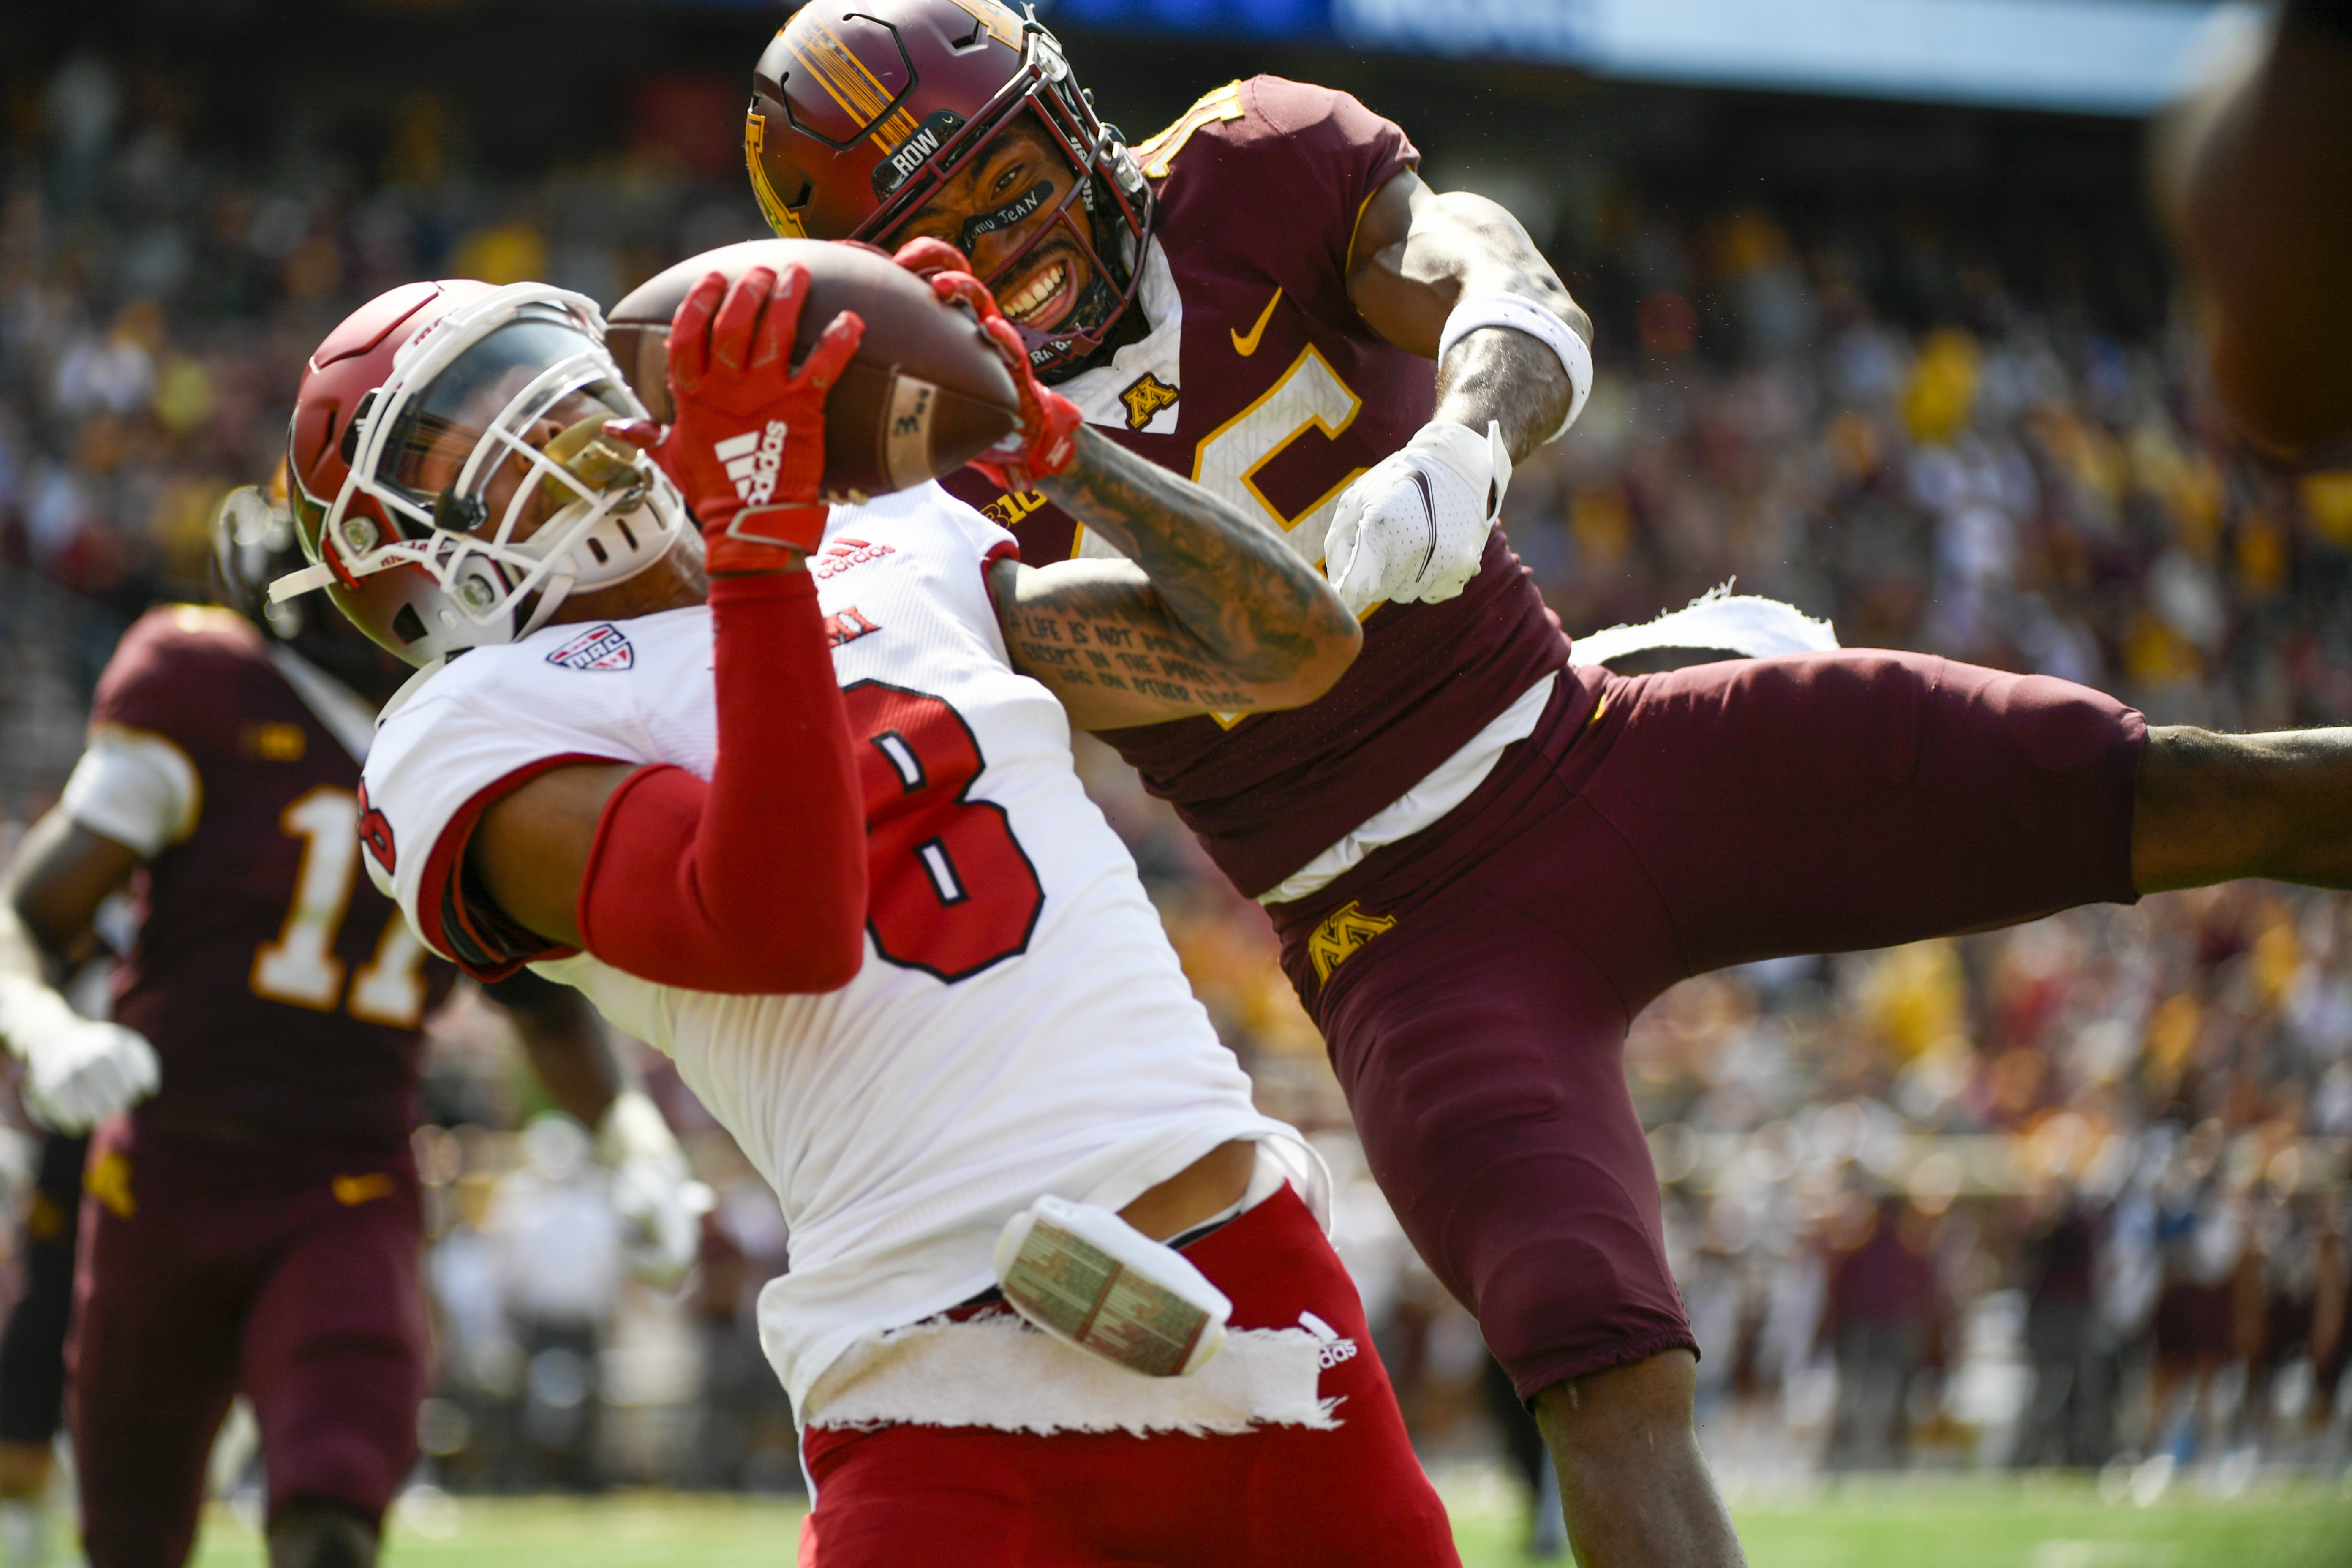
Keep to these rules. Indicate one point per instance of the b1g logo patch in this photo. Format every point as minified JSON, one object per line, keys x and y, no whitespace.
{"x":598,"y":647}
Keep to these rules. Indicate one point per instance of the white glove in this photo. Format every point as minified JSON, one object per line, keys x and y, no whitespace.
{"x":1414,"y":525}
{"x":660,"y":1202}
{"x":78,"y":1071}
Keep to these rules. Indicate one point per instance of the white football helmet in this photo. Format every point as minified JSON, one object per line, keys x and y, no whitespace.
{"x":470,"y":490}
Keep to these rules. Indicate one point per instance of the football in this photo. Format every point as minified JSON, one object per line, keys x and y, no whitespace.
{"x":925,"y":394}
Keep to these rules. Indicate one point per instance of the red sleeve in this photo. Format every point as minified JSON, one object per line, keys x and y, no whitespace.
{"x":455,"y":914}
{"x":753,"y":883}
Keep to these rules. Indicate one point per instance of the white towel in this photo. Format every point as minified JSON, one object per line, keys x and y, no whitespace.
{"x":999,"y":1373}
{"x":1718,"y":618}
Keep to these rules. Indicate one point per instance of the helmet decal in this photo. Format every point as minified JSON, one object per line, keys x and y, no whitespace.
{"x":863,"y":96}
{"x":780,"y":218}
{"x":995,"y":19}
{"x":916,"y":151}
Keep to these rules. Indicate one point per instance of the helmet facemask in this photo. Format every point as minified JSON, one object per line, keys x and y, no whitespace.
{"x":1107,"y":184}
{"x":480,"y":474}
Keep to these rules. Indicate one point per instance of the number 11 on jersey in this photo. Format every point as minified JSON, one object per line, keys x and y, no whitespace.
{"x":298,"y":966}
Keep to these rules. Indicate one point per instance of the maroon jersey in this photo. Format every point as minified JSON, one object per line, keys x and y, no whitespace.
{"x":282,"y":992}
{"x":1280,"y":396}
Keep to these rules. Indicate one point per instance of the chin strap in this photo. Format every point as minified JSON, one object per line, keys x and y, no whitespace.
{"x":294,"y":585}
{"x":559,"y":587}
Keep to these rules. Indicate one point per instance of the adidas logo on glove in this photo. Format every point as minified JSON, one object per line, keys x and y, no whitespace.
{"x":752,"y":460}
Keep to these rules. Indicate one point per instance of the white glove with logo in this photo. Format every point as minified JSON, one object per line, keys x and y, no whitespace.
{"x":79,"y":1072}
{"x":1414,"y":525}
{"x":660,"y":1202}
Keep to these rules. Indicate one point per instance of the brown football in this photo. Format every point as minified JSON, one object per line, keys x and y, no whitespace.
{"x":926,"y":392}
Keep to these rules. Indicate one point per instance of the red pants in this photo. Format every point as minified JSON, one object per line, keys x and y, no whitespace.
{"x":1285,"y":1497}
{"x":289,"y":1271}
{"x":1476,"y":981}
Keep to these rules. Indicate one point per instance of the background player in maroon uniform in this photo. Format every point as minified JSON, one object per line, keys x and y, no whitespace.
{"x":253,"y":1224}
{"x":1483,"y":861}
{"x":33,"y":1349}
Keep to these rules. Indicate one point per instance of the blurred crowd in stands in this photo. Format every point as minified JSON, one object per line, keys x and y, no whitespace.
{"x":2074,"y":1194}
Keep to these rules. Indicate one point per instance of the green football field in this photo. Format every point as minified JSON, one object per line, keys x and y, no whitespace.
{"x":2032,"y":1523}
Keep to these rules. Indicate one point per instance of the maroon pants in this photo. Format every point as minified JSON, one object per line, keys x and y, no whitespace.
{"x":289,"y":1272}
{"x":1475,"y":981}
{"x":1285,"y":1497}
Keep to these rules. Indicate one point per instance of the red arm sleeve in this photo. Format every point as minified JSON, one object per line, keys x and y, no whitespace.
{"x":753,"y":883}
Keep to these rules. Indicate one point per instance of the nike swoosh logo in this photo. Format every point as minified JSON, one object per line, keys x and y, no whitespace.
{"x":1246,"y":346}
{"x":1421,"y":482}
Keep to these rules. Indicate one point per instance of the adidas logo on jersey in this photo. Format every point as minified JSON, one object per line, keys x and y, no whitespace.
{"x":752,"y":460}
{"x":844,"y":553}
{"x":598,"y":647}
{"x":1331,"y":1349}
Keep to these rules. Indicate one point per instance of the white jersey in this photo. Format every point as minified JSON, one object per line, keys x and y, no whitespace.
{"x":1020,"y":1025}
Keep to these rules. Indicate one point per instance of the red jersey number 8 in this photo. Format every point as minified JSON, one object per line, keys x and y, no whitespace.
{"x":952,"y":890}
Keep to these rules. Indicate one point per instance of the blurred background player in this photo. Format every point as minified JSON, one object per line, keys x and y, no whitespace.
{"x":2256,"y":179}
{"x":251,"y":1226}
{"x":33,"y":1349}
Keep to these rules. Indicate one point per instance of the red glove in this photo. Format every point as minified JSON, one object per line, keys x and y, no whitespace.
{"x":747,"y":444}
{"x":1047,"y":442}
{"x":926,"y":256}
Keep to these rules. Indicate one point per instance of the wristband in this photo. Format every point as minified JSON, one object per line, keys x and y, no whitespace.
{"x":1524,"y":315}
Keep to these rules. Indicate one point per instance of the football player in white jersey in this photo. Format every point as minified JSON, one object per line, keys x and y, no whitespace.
{"x":805,"y":825}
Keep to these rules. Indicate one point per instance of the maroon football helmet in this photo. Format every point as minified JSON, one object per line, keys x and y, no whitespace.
{"x":858,"y":116}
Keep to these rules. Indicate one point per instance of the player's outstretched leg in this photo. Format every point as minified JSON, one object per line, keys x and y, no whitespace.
{"x":2210,"y":808}
{"x":1632,"y":1483}
{"x":321,"y":1535}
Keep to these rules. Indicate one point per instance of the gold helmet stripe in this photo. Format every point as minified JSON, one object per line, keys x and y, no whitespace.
{"x":849,"y":83}
{"x":781,"y":218}
{"x":1001,"y":23}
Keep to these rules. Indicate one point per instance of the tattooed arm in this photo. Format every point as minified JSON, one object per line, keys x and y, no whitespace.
{"x":1416,"y":255}
{"x":1211,"y":612}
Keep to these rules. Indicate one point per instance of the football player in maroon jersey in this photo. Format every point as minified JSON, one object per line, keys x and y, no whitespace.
{"x":1481,"y":858}
{"x":252,"y":1224}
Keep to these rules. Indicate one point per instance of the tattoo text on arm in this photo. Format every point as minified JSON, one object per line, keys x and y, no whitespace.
{"x":1229,"y":601}
{"x":1104,"y":637}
